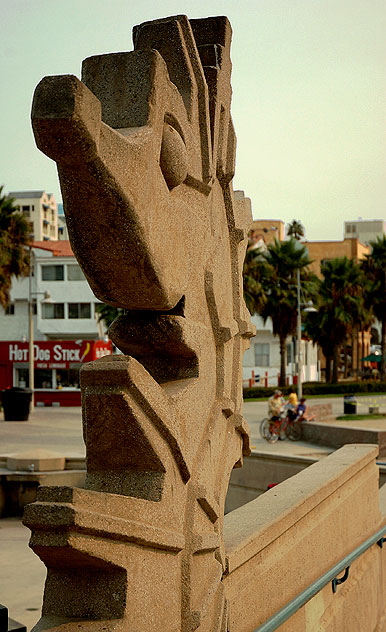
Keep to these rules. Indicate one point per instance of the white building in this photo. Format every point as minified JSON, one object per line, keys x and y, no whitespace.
{"x":62,"y":223}
{"x":365,"y":230}
{"x":66,"y":332}
{"x":261,"y":363}
{"x":69,"y":315}
{"x":41,"y":210}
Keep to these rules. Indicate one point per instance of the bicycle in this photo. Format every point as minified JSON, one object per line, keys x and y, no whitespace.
{"x":283,"y":426}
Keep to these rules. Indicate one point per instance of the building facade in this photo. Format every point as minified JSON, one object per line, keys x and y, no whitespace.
{"x":261,"y":363}
{"x":365,"y":230}
{"x":41,"y":210}
{"x":319,"y":251}
{"x":64,"y":317}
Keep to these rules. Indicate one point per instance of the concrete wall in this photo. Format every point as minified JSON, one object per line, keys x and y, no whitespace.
{"x":336,"y":436}
{"x":260,"y":470}
{"x":278,"y":544}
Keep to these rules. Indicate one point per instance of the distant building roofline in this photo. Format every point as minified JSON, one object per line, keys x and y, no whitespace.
{"x":28,"y":194}
{"x":59,"y":248}
{"x":362,"y":219}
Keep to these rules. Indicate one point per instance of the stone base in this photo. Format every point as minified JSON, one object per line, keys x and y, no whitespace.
{"x":18,"y":489}
{"x":337,"y":436}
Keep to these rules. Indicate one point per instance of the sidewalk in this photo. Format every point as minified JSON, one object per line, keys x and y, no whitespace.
{"x":22,"y":573}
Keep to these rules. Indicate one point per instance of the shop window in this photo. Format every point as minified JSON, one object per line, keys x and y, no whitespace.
{"x":10,"y":310}
{"x":22,"y":378}
{"x":79,"y":310}
{"x":52,"y":310}
{"x":43,"y":378}
{"x":53,"y":273}
{"x":261,"y":354}
{"x":67,"y":378}
{"x":74,"y":273}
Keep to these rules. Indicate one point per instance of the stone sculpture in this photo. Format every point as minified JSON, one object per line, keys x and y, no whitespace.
{"x":145,"y":149}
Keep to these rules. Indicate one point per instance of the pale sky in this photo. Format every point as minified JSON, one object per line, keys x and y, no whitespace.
{"x":309,"y":96}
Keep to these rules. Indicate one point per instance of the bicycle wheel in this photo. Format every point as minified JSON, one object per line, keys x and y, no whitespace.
{"x":267,"y":431}
{"x":264,"y":429}
{"x":294,"y":432}
{"x":273,"y":436}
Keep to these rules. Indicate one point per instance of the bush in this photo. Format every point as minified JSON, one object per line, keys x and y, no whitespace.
{"x":320,"y":388}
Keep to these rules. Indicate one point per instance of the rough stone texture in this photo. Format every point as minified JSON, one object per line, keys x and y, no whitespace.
{"x":145,"y":149}
{"x":278,"y":544}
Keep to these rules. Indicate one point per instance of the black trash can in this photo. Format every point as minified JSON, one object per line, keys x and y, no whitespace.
{"x":349,"y":405}
{"x":16,"y":403}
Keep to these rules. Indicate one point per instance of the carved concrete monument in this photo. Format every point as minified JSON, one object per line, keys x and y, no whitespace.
{"x":145,"y":151}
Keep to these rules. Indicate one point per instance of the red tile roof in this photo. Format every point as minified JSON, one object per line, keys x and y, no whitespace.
{"x":61,"y":248}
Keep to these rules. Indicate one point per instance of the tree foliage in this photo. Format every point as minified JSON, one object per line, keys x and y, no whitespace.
{"x":374,"y":267}
{"x":270,"y":284}
{"x":296,"y":229}
{"x":340,"y":309}
{"x":14,"y":239}
{"x":107,"y":313}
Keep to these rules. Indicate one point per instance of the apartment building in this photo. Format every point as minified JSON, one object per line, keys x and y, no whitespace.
{"x":319,"y":251}
{"x":66,"y":332}
{"x":365,"y":230}
{"x":41,"y":210}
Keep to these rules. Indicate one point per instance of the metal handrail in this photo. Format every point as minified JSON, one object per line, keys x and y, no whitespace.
{"x":295,"y":604}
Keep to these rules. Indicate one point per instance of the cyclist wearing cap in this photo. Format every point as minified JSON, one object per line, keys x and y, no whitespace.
{"x":276,"y":405}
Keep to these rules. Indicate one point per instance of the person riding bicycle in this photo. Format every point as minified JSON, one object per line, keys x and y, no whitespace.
{"x":276,"y":405}
{"x":292,"y":404}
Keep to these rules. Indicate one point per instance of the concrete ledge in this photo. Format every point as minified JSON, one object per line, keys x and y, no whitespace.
{"x":260,"y":470}
{"x":319,"y":411}
{"x":336,"y":436}
{"x":279,"y":543}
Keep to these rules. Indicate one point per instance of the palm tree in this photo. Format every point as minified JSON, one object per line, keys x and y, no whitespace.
{"x":283,"y":259}
{"x":341,"y":309}
{"x":296,"y":229}
{"x":14,"y":237}
{"x":374,"y":266}
{"x":107,"y":313}
{"x":255,"y":271}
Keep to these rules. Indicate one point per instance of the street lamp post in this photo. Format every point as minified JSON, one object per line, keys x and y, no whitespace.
{"x":308,"y":307}
{"x":299,"y":337}
{"x":46,"y":299}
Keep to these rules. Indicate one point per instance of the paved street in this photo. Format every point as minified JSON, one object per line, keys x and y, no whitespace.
{"x":60,"y":430}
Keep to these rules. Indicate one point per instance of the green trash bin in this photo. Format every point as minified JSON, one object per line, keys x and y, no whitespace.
{"x":16,"y":403}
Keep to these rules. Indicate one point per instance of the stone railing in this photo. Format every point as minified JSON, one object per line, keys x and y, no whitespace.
{"x":278,"y":544}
